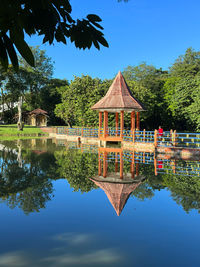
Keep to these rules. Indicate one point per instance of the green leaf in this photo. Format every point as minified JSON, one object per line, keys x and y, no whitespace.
{"x":93,"y":18}
{"x":3,"y":55}
{"x":11,"y":52}
{"x":17,"y":37}
{"x":103,"y":41}
{"x":97,"y":25}
{"x":60,"y":36}
{"x":96,"y":44}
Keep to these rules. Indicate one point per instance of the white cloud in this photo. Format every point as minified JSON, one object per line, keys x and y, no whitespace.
{"x":13,"y":259}
{"x":74,"y":238}
{"x":104,"y":256}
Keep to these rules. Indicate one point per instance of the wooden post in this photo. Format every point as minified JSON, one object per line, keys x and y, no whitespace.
{"x":174,"y":139}
{"x":144,"y":135}
{"x":99,"y":169}
{"x":105,"y":124}
{"x":171,"y":136}
{"x":138,"y":121}
{"x":121,"y":165}
{"x":155,"y":138}
{"x":132,"y":120}
{"x":104,"y":164}
{"x":100,"y":124}
{"x":117,"y":123}
{"x":121,"y":123}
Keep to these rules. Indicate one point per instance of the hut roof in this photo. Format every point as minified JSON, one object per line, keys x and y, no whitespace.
{"x":38,"y":111}
{"x":117,"y":193}
{"x":118,"y":97}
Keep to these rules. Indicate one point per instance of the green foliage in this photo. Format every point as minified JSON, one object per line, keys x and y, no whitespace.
{"x":77,"y":168}
{"x":182,"y":91}
{"x":146,"y":83}
{"x":184,"y":190}
{"x":51,"y":19}
{"x":78,"y":98}
{"x":35,"y":85}
{"x":28,"y":187}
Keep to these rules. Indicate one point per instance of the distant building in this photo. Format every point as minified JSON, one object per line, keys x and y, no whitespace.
{"x":37,"y":117}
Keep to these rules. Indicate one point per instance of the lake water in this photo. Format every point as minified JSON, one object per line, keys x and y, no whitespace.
{"x":54,"y":214}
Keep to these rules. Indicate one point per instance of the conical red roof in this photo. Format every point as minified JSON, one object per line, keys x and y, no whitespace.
{"x":117,"y":193}
{"x":118,"y":97}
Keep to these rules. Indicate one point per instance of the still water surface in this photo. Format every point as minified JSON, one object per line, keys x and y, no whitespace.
{"x":53,"y":214}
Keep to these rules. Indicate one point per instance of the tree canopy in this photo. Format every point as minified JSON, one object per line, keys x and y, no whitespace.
{"x":50,"y":19}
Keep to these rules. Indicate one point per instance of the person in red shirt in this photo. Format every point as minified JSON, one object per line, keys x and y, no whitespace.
{"x":160,"y":135}
{"x":160,"y":131}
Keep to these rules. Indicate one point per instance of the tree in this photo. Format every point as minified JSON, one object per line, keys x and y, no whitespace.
{"x":28,"y":81}
{"x":78,"y":98}
{"x":146,"y":83}
{"x":51,"y":19}
{"x":49,"y":94}
{"x":182,"y":90}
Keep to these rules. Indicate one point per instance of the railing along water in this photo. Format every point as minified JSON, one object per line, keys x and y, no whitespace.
{"x":166,"y":139}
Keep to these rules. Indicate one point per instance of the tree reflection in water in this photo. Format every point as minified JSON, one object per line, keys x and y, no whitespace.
{"x":29,"y":168}
{"x":26,"y":178}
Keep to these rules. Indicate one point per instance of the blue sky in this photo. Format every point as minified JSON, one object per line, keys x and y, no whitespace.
{"x":153,"y":31}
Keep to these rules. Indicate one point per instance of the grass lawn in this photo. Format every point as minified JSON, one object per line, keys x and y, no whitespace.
{"x":11,"y":132}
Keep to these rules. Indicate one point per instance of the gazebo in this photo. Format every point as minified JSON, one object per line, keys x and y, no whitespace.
{"x":37,"y":117}
{"x":118,"y":100}
{"x":117,"y":185}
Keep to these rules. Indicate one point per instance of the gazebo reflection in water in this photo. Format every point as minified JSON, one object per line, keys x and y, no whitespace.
{"x":117,"y":184}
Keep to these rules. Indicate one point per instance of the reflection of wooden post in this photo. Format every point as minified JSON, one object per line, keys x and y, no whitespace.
{"x":100,"y":123}
{"x":155,"y":165}
{"x":143,"y":157}
{"x":174,"y":166}
{"x":155,"y":138}
{"x":105,"y":123}
{"x":133,"y":136}
{"x":121,"y":123}
{"x":116,"y":162}
{"x":138,"y":121}
{"x":117,"y":123}
{"x":99,"y":164}
{"x":121,"y":165}
{"x":104,"y":164}
{"x":137,"y":169}
{"x":132,"y":120}
{"x":133,"y":165}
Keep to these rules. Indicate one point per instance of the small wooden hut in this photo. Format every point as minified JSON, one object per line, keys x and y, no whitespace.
{"x":38,"y":117}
